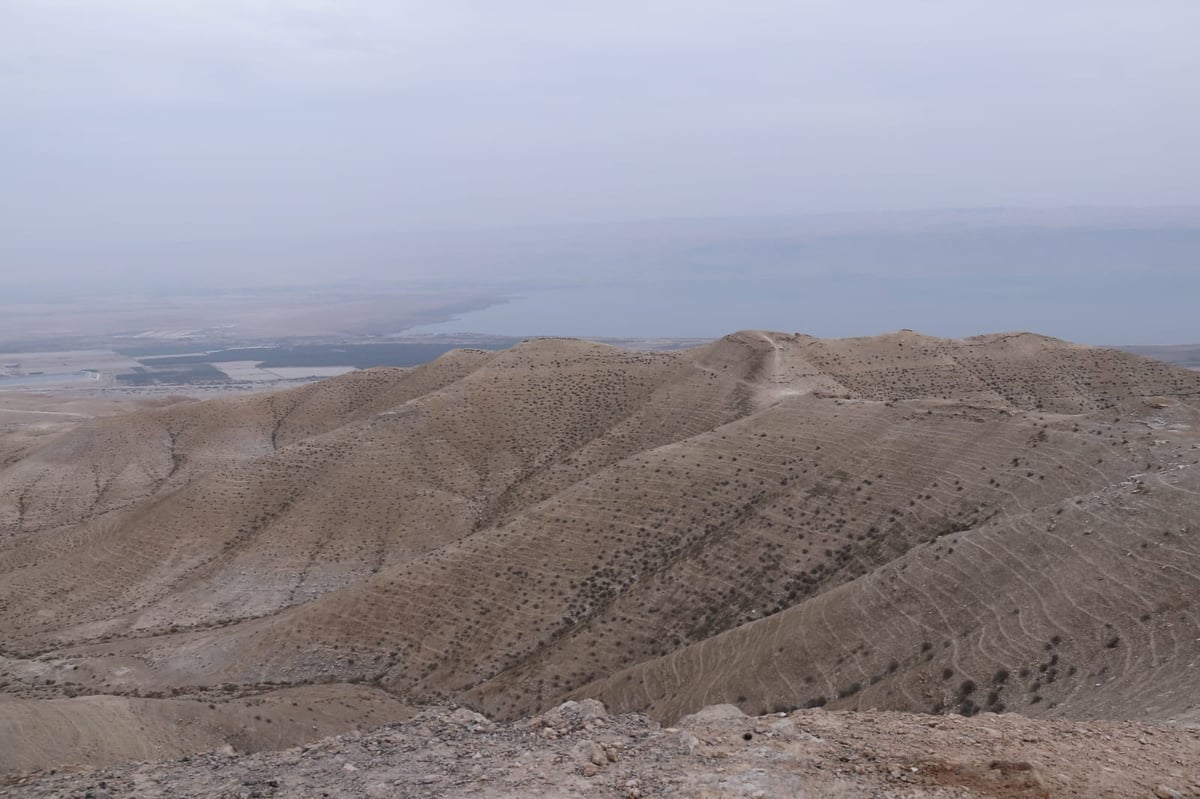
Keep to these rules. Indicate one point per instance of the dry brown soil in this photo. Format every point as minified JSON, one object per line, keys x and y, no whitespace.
{"x":905,"y":523}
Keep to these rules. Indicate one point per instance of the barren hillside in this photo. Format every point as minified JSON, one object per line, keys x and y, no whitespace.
{"x":1008,"y":522}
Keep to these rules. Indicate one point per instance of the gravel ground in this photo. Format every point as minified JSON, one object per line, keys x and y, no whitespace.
{"x":577,"y":750}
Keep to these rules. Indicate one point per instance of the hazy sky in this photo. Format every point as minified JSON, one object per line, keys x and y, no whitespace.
{"x":150,"y":125}
{"x":166,"y":119}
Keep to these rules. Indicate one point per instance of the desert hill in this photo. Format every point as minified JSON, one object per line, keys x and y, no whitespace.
{"x":110,"y":730}
{"x":771,"y":520}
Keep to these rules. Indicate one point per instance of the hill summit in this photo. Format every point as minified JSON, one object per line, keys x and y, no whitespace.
{"x":905,"y":523}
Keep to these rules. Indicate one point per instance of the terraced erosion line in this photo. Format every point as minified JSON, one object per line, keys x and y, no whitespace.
{"x":47,"y":413}
{"x":1005,"y":523}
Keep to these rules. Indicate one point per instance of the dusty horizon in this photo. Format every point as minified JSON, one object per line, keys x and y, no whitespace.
{"x":639,"y":169}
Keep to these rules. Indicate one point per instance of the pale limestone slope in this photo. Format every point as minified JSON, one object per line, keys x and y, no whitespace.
{"x":568,"y":517}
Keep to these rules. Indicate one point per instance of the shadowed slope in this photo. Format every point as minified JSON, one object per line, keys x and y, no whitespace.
{"x":103,"y":730}
{"x":916,"y":513}
{"x":1084,"y":607}
{"x":272,"y":530}
{"x":114,"y":462}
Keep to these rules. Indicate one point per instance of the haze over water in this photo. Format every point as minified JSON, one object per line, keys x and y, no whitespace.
{"x":175,"y":150}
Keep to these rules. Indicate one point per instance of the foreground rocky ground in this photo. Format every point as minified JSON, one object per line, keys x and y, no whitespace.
{"x":577,"y":750}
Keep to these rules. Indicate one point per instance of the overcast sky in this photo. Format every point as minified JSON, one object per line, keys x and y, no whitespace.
{"x":168,"y":119}
{"x":136,"y":123}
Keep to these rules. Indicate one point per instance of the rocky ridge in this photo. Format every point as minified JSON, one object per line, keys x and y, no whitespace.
{"x":578,"y":750}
